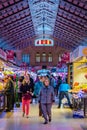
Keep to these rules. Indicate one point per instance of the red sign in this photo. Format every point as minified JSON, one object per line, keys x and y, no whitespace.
{"x":10,"y":55}
{"x":65,"y":57}
{"x":3,"y":54}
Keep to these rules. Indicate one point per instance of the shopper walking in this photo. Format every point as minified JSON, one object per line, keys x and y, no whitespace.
{"x":26,"y":98}
{"x":63,"y":91}
{"x":20,"y":80}
{"x":37,"y":88}
{"x":52,"y":81}
{"x":9,"y":91}
{"x":59,"y":81}
{"x":46,"y":98}
{"x":31,"y":82}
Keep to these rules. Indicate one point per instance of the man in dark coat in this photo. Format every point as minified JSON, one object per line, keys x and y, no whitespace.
{"x":9,"y":90}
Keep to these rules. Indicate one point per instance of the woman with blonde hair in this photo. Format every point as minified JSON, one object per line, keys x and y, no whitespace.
{"x":26,"y":97}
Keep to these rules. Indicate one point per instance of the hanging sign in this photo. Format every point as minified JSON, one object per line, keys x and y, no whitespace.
{"x":10,"y":55}
{"x":44,"y":42}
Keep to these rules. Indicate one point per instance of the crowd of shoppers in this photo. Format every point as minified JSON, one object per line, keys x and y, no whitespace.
{"x":43,"y":90}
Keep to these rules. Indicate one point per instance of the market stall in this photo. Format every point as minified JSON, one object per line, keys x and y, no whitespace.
{"x":79,"y":82}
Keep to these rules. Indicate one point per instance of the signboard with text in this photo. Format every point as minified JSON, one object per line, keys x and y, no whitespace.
{"x":44,"y":42}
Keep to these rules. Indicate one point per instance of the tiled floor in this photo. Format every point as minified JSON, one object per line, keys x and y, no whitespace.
{"x":62,"y":120}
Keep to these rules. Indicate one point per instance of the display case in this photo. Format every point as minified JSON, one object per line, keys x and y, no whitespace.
{"x":79,"y":106}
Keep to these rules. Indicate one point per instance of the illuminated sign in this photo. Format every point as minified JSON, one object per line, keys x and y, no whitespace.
{"x":45,"y":42}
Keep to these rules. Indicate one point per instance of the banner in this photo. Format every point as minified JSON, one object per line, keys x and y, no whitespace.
{"x":3,"y":54}
{"x":10,"y":54}
{"x":65,"y":57}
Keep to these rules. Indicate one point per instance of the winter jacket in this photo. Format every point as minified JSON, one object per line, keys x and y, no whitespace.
{"x":64,"y":87}
{"x":46,"y":95}
{"x":25,"y":91}
{"x":9,"y":88}
{"x":31,"y":84}
{"x":37,"y":88}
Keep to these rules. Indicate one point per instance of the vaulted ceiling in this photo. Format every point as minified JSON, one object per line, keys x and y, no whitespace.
{"x":65,"y":21}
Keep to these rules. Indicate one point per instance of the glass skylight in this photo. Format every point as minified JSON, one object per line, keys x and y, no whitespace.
{"x":43,"y":14}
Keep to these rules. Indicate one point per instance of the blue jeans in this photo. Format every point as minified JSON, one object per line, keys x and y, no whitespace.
{"x":61,"y":96}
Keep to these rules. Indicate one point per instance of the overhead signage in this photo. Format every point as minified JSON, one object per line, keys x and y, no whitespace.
{"x":10,"y":55}
{"x":44,"y":42}
{"x":65,"y":57}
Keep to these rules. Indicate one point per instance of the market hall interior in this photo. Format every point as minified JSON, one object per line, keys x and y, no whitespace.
{"x":44,"y":38}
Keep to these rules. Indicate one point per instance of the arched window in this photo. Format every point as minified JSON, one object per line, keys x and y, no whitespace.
{"x":37,"y":57}
{"x":50,"y":58}
{"x":26,"y":58}
{"x":43,"y":57}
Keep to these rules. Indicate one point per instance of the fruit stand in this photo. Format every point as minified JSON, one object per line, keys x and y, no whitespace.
{"x":79,"y":101}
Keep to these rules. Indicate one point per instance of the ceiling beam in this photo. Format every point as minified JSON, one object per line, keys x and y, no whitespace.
{"x":10,"y":5}
{"x":79,"y":24}
{"x":16,"y":21}
{"x":71,"y":3}
{"x":72,"y":13}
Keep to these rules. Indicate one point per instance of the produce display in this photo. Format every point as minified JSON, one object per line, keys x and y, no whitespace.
{"x":79,"y":87}
{"x":3,"y":75}
{"x":1,"y":86}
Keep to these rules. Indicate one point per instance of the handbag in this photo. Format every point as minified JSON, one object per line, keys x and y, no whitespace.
{"x":17,"y":104}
